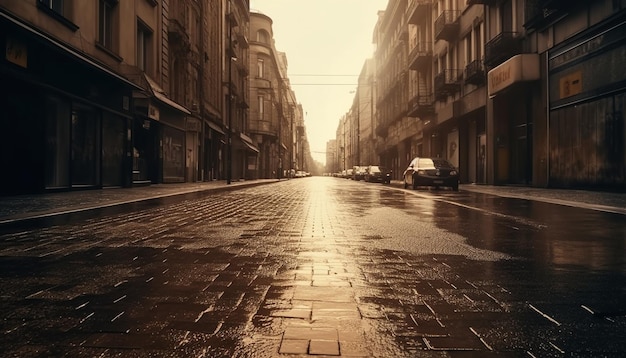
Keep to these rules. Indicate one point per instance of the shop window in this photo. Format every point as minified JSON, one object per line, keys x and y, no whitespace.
{"x":57,"y":143}
{"x":85,"y":158}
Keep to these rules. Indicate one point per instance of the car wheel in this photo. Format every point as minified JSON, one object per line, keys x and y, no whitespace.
{"x":405,"y":185}
{"x":455,"y":188}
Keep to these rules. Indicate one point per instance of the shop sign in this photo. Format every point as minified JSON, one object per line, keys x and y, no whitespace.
{"x":16,"y":52}
{"x":153,"y":112}
{"x":519,"y":68}
{"x":192,"y":125}
{"x":571,"y":84}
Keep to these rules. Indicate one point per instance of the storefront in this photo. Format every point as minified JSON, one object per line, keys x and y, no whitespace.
{"x":248,"y":155}
{"x":587,"y":109}
{"x":515,"y":98}
{"x":65,"y":121}
{"x":159,"y":138}
{"x":214,"y":144}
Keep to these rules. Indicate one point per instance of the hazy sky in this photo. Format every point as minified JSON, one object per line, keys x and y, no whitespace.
{"x":327,"y":43}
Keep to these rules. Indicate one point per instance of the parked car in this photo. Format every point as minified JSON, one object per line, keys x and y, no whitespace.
{"x":378,"y":174}
{"x":358,"y":172}
{"x":348,"y":174}
{"x":435,"y":172}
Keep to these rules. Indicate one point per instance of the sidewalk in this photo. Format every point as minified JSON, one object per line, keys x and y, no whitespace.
{"x":594,"y":200}
{"x":24,"y":207}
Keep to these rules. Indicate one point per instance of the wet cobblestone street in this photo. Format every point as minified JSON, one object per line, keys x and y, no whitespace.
{"x":297,"y":268}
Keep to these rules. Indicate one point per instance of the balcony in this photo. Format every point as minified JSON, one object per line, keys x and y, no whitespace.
{"x":421,"y":105}
{"x":447,"y":25}
{"x":447,"y":82}
{"x":263,"y":127}
{"x":475,"y":73}
{"x":421,"y":55}
{"x":502,"y":47}
{"x":418,"y":11}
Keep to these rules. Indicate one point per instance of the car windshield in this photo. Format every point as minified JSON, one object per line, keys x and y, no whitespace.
{"x":433,"y":163}
{"x":374,"y":169}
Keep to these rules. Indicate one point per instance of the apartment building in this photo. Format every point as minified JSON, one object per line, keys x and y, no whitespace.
{"x":509,"y":91}
{"x":430,"y":85}
{"x":241,"y":154}
{"x":276,"y":119}
{"x":393,"y":126}
{"x":361,"y":114}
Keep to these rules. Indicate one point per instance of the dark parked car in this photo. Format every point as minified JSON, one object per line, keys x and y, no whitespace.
{"x":358,"y":172}
{"x":435,"y":172}
{"x":378,"y":174}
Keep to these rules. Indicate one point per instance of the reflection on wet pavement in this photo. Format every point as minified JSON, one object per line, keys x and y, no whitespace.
{"x":309,"y":267}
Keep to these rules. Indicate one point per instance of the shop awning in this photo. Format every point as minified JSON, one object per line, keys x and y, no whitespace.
{"x":248,"y":142}
{"x":47,"y":40}
{"x":215,"y":127}
{"x":251,"y":147}
{"x":159,"y":94}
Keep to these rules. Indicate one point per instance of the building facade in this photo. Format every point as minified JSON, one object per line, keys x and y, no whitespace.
{"x":109,"y":93}
{"x":506,"y":90}
{"x":69,"y":112}
{"x":276,"y":119}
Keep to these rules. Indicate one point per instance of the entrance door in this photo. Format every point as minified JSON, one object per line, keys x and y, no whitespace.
{"x":481,"y":160}
{"x":521,"y":156}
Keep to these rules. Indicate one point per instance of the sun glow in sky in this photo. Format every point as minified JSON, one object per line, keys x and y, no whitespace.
{"x":326,"y":43}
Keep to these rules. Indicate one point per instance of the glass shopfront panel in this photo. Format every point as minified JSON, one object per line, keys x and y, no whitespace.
{"x":85,"y":161}
{"x":173,"y":144}
{"x":57,"y":113}
{"x":113,"y":134}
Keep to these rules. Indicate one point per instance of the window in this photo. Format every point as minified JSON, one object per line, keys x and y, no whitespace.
{"x":144,"y":45}
{"x":54,"y":5}
{"x":60,"y":10}
{"x":105,"y":22}
{"x":261,"y":107}
{"x":260,"y":66}
{"x":263,"y":37}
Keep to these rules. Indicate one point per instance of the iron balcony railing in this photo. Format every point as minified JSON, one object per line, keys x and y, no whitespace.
{"x":447,"y":25}
{"x":447,"y":82}
{"x":475,"y":72}
{"x":421,"y":105}
{"x":421,"y":55}
{"x":502,"y":47}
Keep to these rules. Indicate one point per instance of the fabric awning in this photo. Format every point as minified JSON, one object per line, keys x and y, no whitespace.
{"x":215,"y":127}
{"x":159,"y":94}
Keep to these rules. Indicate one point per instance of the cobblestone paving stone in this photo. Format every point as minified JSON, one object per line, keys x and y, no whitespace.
{"x":253,"y":273}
